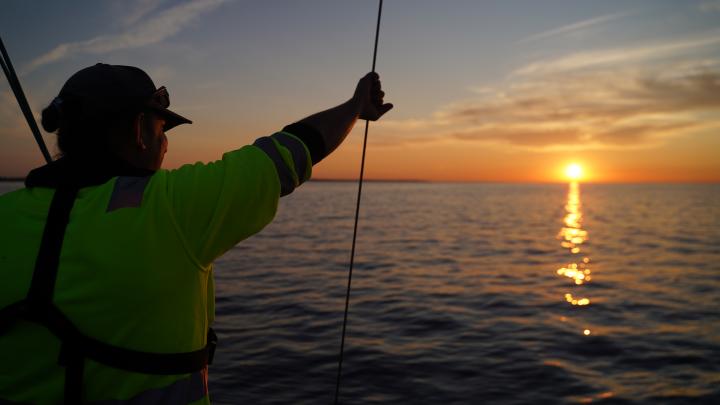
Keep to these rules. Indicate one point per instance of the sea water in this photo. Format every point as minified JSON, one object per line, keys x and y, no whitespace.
{"x":476,"y":294}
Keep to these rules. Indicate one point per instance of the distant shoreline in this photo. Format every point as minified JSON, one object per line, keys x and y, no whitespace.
{"x":370,"y":181}
{"x":17,"y":179}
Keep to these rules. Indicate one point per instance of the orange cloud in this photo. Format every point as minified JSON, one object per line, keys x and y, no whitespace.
{"x":582,"y":111}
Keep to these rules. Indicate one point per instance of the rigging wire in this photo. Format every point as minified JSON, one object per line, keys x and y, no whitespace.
{"x":14,"y":82}
{"x":357,"y":213}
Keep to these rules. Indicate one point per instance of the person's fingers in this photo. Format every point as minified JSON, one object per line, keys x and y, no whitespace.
{"x":373,"y":96}
{"x":371,"y":79}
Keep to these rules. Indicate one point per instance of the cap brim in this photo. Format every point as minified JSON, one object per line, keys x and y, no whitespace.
{"x":172,"y":119}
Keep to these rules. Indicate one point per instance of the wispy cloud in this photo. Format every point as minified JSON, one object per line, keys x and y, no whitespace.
{"x":621,"y":55}
{"x":575,"y":27}
{"x":147,"y":32}
{"x":621,"y":98}
{"x":623,"y":107}
{"x":594,"y":97}
{"x":710,"y":6}
{"x":138,"y":10}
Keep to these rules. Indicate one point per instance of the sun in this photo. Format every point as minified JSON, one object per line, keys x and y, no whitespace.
{"x":574,"y":171}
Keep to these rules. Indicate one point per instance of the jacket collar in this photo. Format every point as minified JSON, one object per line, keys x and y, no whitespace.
{"x":75,"y":173}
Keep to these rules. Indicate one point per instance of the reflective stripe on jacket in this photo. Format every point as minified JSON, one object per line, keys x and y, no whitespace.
{"x":136,"y":268}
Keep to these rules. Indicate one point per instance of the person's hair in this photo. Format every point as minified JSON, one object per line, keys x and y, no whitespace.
{"x":82,"y":130}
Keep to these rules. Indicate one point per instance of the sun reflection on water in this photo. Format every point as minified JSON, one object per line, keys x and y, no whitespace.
{"x":573,"y":237}
{"x":572,"y":234}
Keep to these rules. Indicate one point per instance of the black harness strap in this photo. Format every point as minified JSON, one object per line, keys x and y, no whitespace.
{"x":131,"y":360}
{"x":76,"y":346}
{"x":42,"y":287}
{"x":71,"y":357}
{"x":40,"y":294}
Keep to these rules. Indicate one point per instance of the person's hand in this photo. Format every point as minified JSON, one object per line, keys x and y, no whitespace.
{"x":369,"y":98}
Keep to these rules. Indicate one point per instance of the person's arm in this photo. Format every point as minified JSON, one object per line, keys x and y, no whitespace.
{"x":220,"y":203}
{"x":333,"y":125}
{"x":299,"y":146}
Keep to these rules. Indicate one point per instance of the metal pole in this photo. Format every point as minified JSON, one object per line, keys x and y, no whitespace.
{"x":357,"y":214}
{"x":12,"y":78}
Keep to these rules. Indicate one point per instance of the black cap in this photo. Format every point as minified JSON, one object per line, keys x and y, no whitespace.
{"x":113,"y":88}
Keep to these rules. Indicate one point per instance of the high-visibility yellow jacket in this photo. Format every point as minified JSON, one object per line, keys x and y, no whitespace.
{"x":135,"y":268}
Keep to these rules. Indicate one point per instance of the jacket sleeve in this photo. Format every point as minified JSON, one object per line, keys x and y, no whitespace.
{"x":218,"y":204}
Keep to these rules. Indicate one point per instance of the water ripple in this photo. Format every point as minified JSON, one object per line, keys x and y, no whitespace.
{"x":456,"y":299}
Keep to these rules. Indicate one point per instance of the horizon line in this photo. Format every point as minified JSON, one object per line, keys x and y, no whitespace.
{"x":344,"y":180}
{"x":10,"y":179}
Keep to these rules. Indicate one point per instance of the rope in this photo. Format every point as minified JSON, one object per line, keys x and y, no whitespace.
{"x":357,"y":214}
{"x":7,"y":68}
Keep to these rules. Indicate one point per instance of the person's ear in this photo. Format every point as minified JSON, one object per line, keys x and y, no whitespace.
{"x":138,"y":126}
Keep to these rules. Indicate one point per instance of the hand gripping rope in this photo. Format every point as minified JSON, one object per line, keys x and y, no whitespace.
{"x":357,"y":212}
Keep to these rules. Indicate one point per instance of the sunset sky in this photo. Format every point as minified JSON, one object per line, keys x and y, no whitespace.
{"x":483,"y":91}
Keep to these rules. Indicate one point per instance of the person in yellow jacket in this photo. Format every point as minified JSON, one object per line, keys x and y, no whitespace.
{"x":106,"y":260}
